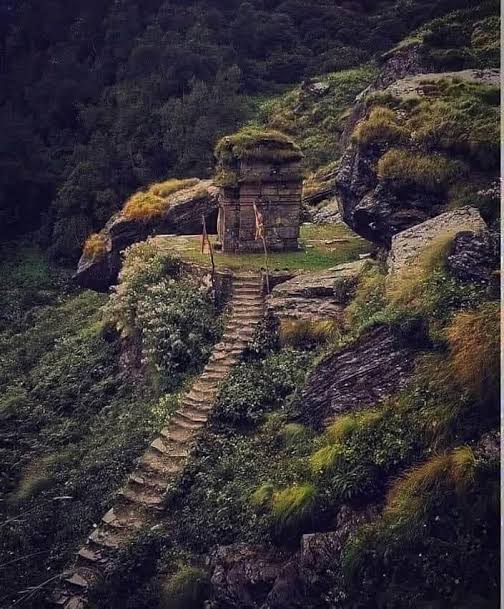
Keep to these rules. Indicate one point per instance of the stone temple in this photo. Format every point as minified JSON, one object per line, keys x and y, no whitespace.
{"x":261,"y":168}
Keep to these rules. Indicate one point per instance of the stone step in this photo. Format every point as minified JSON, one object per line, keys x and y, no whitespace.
{"x":203,"y":389}
{"x":185,"y":422}
{"x":195,"y":417}
{"x":76,"y":602}
{"x":156,"y":483}
{"x":88,"y":556}
{"x":145,"y":498}
{"x":169,"y":448}
{"x":197,"y":402}
{"x":126,"y":516}
{"x":197,"y":398}
{"x":216,"y":367}
{"x":82,"y":578}
{"x":155,"y":463}
{"x":180,"y":434}
{"x":215,"y":377}
{"x":103,"y":538}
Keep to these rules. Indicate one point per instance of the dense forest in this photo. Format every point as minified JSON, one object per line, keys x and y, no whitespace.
{"x":100,"y":98}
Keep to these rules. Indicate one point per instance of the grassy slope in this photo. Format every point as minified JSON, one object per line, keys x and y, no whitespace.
{"x":71,"y":422}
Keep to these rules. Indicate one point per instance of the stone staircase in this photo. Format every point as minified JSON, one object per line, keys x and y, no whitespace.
{"x":141,"y":501}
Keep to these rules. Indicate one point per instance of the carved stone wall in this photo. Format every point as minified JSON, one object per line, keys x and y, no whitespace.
{"x":276,"y":191}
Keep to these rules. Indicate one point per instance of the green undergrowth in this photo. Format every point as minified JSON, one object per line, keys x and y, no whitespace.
{"x":162,"y":312}
{"x":73,"y":421}
{"x":316,"y":121}
{"x":464,"y":39}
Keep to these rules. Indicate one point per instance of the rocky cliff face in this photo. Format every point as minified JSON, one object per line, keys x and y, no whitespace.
{"x":183,"y":214}
{"x":373,"y":205}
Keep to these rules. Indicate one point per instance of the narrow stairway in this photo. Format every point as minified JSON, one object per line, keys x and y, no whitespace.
{"x":140,"y":503}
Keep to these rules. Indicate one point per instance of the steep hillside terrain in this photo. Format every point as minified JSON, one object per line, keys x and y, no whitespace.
{"x":98,"y":99}
{"x":344,"y":452}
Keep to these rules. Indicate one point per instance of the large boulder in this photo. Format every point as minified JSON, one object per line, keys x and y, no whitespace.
{"x":244,"y":574}
{"x":357,"y":376}
{"x":184,"y":210}
{"x":408,"y":244}
{"x":316,"y":295}
{"x":261,"y":577}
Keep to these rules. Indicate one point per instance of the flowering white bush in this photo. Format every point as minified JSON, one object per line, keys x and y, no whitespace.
{"x":166,"y":311}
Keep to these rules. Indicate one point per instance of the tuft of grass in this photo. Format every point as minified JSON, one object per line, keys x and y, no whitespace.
{"x":187,"y":589}
{"x":95,"y":246}
{"x":409,"y":497}
{"x":156,"y":200}
{"x":410,"y":169}
{"x":474,"y":344}
{"x":381,"y":126}
{"x":405,"y":288}
{"x":293,"y":505}
{"x":35,"y":478}
{"x":144,"y":206}
{"x":325,"y":458}
{"x":262,"y":497}
{"x":303,"y":333}
{"x":169,"y":187}
{"x":293,"y":433}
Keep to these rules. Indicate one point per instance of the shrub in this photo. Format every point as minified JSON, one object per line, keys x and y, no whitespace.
{"x":382,"y":126}
{"x":306,"y":334}
{"x":474,"y":343}
{"x":95,"y":246}
{"x":253,"y":389}
{"x":187,"y":589}
{"x":407,"y":169}
{"x":177,"y":326}
{"x":293,"y":506}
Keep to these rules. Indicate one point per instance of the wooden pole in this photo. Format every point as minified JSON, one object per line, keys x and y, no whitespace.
{"x":210,"y":249}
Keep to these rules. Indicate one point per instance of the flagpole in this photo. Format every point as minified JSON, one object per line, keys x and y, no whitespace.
{"x":204,"y":238}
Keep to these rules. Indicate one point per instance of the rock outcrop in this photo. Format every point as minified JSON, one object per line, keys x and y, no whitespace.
{"x":373,"y":207}
{"x":184,"y":210}
{"x":318,"y":295}
{"x":328,"y":214}
{"x":260,"y":577}
{"x":408,"y":244}
{"x":359,"y":376}
{"x":475,"y":257}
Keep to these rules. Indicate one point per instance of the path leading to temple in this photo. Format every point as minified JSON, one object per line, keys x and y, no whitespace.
{"x":140,"y":503}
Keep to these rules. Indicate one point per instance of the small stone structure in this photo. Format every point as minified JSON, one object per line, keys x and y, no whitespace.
{"x":261,"y":168}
